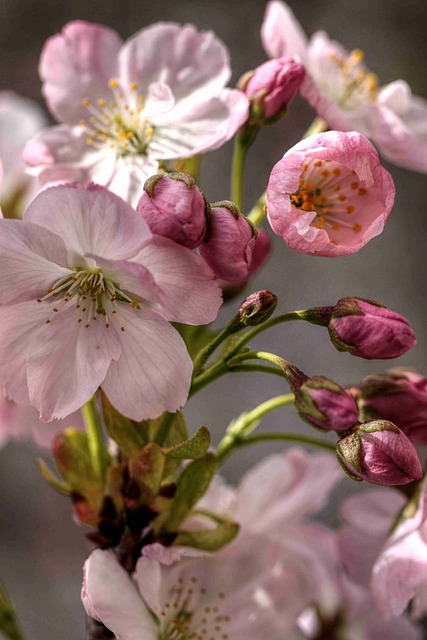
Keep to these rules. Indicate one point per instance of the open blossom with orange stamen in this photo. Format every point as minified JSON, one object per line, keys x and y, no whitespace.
{"x":329,"y":195}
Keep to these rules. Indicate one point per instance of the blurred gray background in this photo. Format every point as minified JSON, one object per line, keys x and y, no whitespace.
{"x":42,"y":550}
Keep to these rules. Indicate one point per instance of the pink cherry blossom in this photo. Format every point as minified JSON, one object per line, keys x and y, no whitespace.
{"x":86,"y":294}
{"x":244,"y":595}
{"x":21,"y":422}
{"x":20,"y":120}
{"x":400,"y":572}
{"x":124,"y":107}
{"x":346,"y":94}
{"x":329,"y":195}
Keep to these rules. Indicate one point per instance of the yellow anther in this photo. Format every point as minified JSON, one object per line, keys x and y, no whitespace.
{"x":113,"y":83}
{"x":113,"y":105}
{"x":82,"y":123}
{"x":89,"y":140}
{"x":149,"y":132}
{"x":141,"y":99}
{"x":86,"y":103}
{"x":133,"y":86}
{"x":356,"y":56}
{"x":101,"y":102}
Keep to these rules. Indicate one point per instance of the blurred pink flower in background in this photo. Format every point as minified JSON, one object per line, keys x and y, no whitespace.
{"x":346,"y":94}
{"x":20,"y":120}
{"x":124,"y":108}
{"x":87,"y":293}
{"x":329,"y":195}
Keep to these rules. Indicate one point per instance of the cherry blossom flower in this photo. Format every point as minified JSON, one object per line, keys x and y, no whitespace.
{"x":329,"y":195}
{"x":24,"y":118}
{"x":21,"y":422}
{"x":346,"y":94}
{"x":125,"y":108}
{"x":86,"y":294}
{"x":400,"y":573}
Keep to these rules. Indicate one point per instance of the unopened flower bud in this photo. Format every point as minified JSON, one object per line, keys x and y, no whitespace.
{"x":400,"y":396}
{"x":230,"y":242}
{"x":175,"y":208}
{"x":368,"y":329}
{"x":272,"y":86}
{"x":257,"y":308}
{"x":324,"y":403}
{"x":380,"y":453}
{"x":261,"y":251}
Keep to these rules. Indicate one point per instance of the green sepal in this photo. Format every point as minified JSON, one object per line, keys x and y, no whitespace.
{"x":128,"y":434}
{"x":147,"y":468}
{"x":193,"y":448}
{"x":52,"y":479}
{"x":208,"y":539}
{"x":347,"y":471}
{"x":191,"y":486}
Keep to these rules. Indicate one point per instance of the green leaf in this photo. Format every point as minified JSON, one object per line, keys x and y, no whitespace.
{"x":128,"y":434}
{"x":208,"y":539}
{"x":9,"y":626}
{"x":195,"y":447}
{"x":52,"y":479}
{"x":191,"y":486}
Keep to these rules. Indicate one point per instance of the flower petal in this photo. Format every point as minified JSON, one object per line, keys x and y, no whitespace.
{"x":31,"y":260}
{"x":281,"y":33}
{"x":191,"y":295}
{"x":110,"y":596}
{"x":191,"y":61}
{"x":68,"y":363}
{"x":92,"y":219}
{"x":154,"y":370}
{"x":76,"y":64}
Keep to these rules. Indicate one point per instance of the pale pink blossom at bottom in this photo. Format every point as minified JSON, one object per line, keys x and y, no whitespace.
{"x":126,"y":107}
{"x":329,"y":195}
{"x":400,"y":572}
{"x":87,"y":294}
{"x":21,"y":422}
{"x":244,"y":595}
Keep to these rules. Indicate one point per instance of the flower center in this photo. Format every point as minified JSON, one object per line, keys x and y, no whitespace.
{"x":119,"y":124}
{"x":181,"y":619}
{"x":357,"y":84}
{"x":92,"y":294}
{"x":333,"y":192}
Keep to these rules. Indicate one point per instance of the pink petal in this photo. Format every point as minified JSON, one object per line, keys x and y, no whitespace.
{"x":60,"y":144}
{"x":283,"y":489}
{"x":68,"y":363}
{"x":281,"y":33}
{"x":190,"y":294}
{"x":110,"y":596}
{"x":154,"y":370}
{"x":191,"y":62}
{"x":92,"y":219}
{"x":31,"y":260}
{"x":76,"y":64}
{"x":192,"y":128}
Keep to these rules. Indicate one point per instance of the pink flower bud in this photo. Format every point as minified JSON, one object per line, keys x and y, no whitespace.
{"x":272,"y":86}
{"x":260,"y":252}
{"x":379,"y":452}
{"x":399,"y":396}
{"x":257,"y":308}
{"x":323,"y":403}
{"x":368,"y":329}
{"x":230,"y":242}
{"x":175,"y":208}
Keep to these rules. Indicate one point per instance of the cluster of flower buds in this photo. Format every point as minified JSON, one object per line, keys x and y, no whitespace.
{"x":174,"y":207}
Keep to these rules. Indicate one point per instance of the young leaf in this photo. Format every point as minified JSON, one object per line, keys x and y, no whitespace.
{"x":208,"y":539}
{"x":196,"y":447}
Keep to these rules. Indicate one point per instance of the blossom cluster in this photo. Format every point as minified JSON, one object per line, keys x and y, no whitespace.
{"x":113,"y":267}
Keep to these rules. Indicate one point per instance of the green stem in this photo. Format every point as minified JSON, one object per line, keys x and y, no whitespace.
{"x":267,"y":437}
{"x":205,"y":353}
{"x":258,"y":211}
{"x":285,"y":317}
{"x":267,"y":406}
{"x":255,"y":368}
{"x":94,"y":437}
{"x":238,"y":170}
{"x":317,"y":126}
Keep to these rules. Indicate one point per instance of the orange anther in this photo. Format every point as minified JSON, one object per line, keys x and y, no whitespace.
{"x":342,"y":198}
{"x":318,"y":163}
{"x":362,"y":192}
{"x":336,"y":171}
{"x":357,"y":227}
{"x":354,"y":185}
{"x":350,"y":208}
{"x":336,"y":227}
